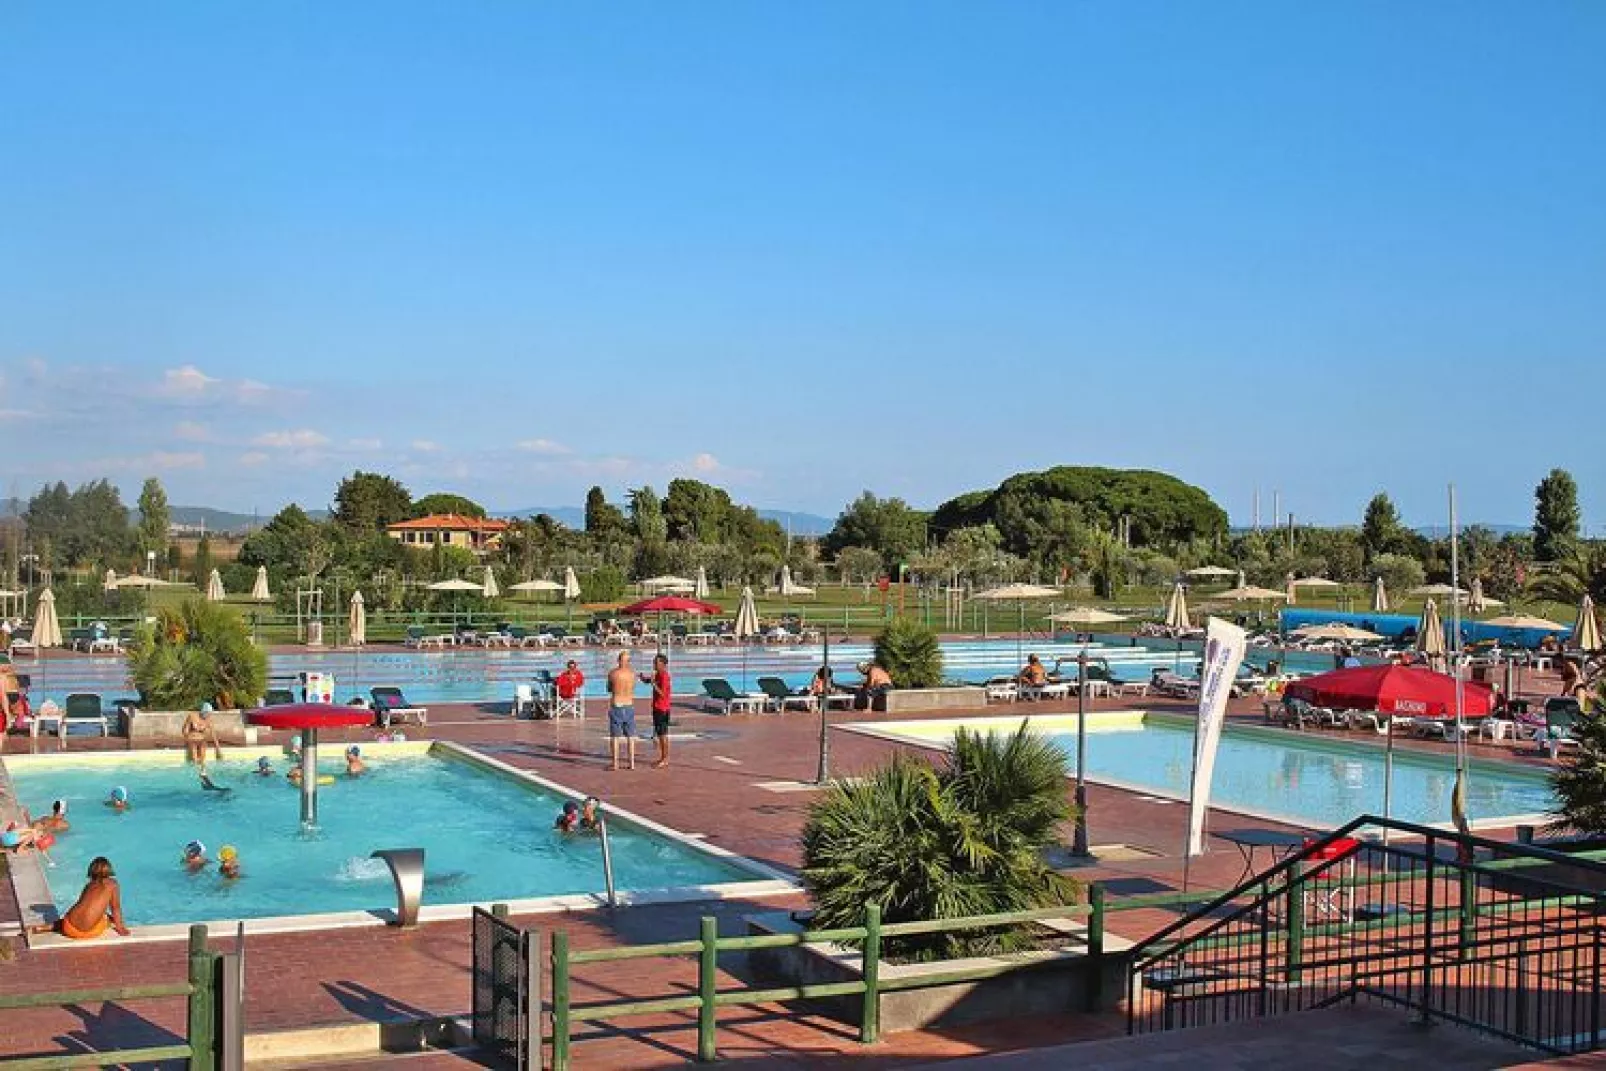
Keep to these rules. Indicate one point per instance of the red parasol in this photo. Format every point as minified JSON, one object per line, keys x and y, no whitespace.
{"x":1392,"y":690}
{"x":670,"y":604}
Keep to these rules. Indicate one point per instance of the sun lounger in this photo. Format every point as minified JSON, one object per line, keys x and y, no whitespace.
{"x":1002,"y":690}
{"x":439,"y":639}
{"x":389,"y":704}
{"x":1173,"y":685}
{"x":22,"y":643}
{"x":1370,"y":719}
{"x":83,"y":708}
{"x":721,"y":697}
{"x":783,"y":697}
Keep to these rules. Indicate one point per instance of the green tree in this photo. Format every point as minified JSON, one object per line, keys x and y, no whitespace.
{"x":197,"y":652}
{"x":1581,"y":571}
{"x":368,"y":501}
{"x":1580,"y":779}
{"x":602,"y":517}
{"x":696,"y":511}
{"x":1556,"y":516}
{"x":201,"y":566}
{"x":154,"y":517}
{"x":908,"y":650}
{"x":930,"y":842}
{"x":888,"y":526}
{"x":445,"y":502}
{"x":1400,"y":573}
{"x":1380,"y":527}
{"x":856,"y":564}
{"x":604,"y":584}
{"x":291,"y":544}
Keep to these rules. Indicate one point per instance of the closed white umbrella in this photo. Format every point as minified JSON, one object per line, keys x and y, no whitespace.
{"x":1176,"y":611}
{"x":1475,"y":602}
{"x":746,"y":624}
{"x":259,"y":590}
{"x":46,"y":629}
{"x":214,"y":587}
{"x":700,"y":590}
{"x":571,"y":584}
{"x":1292,"y":594}
{"x":1380,"y":597}
{"x":111,"y":580}
{"x":1586,"y":632}
{"x":489,"y":587}
{"x":1430,"y":635}
{"x":357,"y":621}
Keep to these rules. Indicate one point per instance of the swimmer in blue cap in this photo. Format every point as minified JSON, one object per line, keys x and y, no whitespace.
{"x":195,"y":859}
{"x":118,"y":800}
{"x":264,"y":767}
{"x":354,"y":764}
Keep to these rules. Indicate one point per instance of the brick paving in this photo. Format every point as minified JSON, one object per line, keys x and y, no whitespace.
{"x":369,"y":974}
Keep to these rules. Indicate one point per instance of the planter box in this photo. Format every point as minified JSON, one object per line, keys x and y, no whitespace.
{"x":151,"y":726}
{"x":904,"y":700}
{"x":1029,"y":983}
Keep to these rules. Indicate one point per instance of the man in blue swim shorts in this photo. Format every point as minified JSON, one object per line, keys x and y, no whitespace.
{"x":622,"y":710}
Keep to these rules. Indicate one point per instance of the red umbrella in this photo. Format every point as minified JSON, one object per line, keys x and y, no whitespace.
{"x":670,"y":604}
{"x":1392,"y":690}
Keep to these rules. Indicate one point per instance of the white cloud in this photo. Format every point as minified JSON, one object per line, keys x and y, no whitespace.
{"x":425,"y":446}
{"x":16,"y":414}
{"x":192,"y":431}
{"x":542,"y":446}
{"x":187,"y":381}
{"x":705,"y":463}
{"x":255,"y":457}
{"x":365,"y":445}
{"x":298,"y":439}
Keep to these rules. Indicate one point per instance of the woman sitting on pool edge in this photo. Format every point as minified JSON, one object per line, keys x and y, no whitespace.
{"x":98,"y":906}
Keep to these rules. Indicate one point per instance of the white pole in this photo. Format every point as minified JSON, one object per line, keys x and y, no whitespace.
{"x":1455,"y":651}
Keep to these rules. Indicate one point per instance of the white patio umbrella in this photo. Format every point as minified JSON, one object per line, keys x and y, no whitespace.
{"x":1344,"y":633}
{"x":745,"y":627}
{"x":214,"y":587}
{"x":1380,"y":597}
{"x":1316,"y":582}
{"x":259,"y":590}
{"x":1085,"y":615}
{"x":667,"y":582}
{"x":1586,"y":632}
{"x":356,"y":621}
{"x":111,"y":580}
{"x":46,"y":629}
{"x":1211,"y":570}
{"x":700,"y":590}
{"x":1439,"y":591}
{"x":1250,"y":593}
{"x":455,"y":584}
{"x":1018,"y":594}
{"x":489,"y":587}
{"x":536,"y":585}
{"x":1176,"y":611}
{"x":135,"y":580}
{"x":1430,"y":635}
{"x":571,"y":584}
{"x":1526,"y":621}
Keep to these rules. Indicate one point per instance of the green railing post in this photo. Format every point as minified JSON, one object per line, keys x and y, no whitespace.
{"x":560,"y":1000}
{"x":1296,"y":924}
{"x":870,"y":1018}
{"x":1469,"y":912}
{"x":1095,"y":946}
{"x":707,"y":966}
{"x":202,"y":1005}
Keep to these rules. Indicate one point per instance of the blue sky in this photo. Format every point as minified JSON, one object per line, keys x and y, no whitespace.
{"x":801,"y":250}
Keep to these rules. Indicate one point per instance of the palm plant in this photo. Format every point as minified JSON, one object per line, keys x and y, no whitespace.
{"x":965,"y":837}
{"x":197,"y":652}
{"x":1580,"y":780}
{"x":908,"y":650}
{"x":1568,"y":579}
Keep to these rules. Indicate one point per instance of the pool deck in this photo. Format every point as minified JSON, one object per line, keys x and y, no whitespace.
{"x":740,"y":783}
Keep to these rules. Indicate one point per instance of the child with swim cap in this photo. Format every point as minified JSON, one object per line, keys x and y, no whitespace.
{"x":118,"y":800}
{"x":264,"y":767}
{"x":228,"y":862}
{"x":354,"y":763}
{"x":195,"y":859}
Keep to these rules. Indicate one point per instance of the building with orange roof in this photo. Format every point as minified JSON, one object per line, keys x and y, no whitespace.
{"x":478,"y":534}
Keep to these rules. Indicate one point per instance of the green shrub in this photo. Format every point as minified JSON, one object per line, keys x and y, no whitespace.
{"x":927,"y":842}
{"x":908,"y":650}
{"x":1579,"y":780}
{"x":197,"y":652}
{"x":603,"y":584}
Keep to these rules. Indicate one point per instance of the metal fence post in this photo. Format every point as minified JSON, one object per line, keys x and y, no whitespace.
{"x":1469,"y":912}
{"x":202,"y":1003}
{"x":1095,"y":946}
{"x":707,"y":966}
{"x":1427,"y":930}
{"x":560,"y":1000}
{"x":870,"y":969}
{"x":1296,"y":925}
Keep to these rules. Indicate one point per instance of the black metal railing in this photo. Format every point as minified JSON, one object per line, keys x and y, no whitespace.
{"x":1503,"y":938}
{"x":507,"y":998}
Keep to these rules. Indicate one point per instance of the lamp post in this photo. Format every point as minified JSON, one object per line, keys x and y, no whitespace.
{"x":822,"y":776}
{"x":1079,"y":847}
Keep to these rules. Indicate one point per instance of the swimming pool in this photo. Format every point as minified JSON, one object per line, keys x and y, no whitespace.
{"x":478,"y":675}
{"x":1300,"y":778}
{"x":486,"y":832}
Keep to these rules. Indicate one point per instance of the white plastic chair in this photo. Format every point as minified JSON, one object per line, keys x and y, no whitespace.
{"x":523,"y":699}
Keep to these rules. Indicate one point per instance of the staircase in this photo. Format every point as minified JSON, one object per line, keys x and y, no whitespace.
{"x":1502,"y":939}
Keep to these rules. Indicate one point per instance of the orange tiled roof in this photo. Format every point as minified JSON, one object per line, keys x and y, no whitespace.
{"x":451,"y":522}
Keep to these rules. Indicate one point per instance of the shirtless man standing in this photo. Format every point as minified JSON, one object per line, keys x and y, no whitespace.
{"x":622,"y":710}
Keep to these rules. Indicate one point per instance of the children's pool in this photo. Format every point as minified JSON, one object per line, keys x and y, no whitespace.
{"x":1308,"y":780}
{"x":487,"y":836}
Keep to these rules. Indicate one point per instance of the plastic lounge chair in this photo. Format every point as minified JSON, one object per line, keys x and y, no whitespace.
{"x":278,"y":697}
{"x":415,"y":637}
{"x":22,"y":643}
{"x":83,"y":708}
{"x":1561,"y":714}
{"x":784,"y":697}
{"x":1370,"y":719}
{"x":1002,"y":689}
{"x":389,"y":704}
{"x":721,"y":697}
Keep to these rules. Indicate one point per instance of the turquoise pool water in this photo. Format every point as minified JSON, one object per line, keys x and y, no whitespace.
{"x":478,"y":675}
{"x":1320,"y":782}
{"x":485,"y":838}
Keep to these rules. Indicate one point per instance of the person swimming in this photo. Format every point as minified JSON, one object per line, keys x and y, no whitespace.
{"x":294,"y":775}
{"x":264,"y":767}
{"x":195,"y":859}
{"x":118,"y":800}
{"x":354,"y":763}
{"x":56,"y":820}
{"x":293,"y":748}
{"x":569,"y":820}
{"x":591,"y":814}
{"x":228,"y":862}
